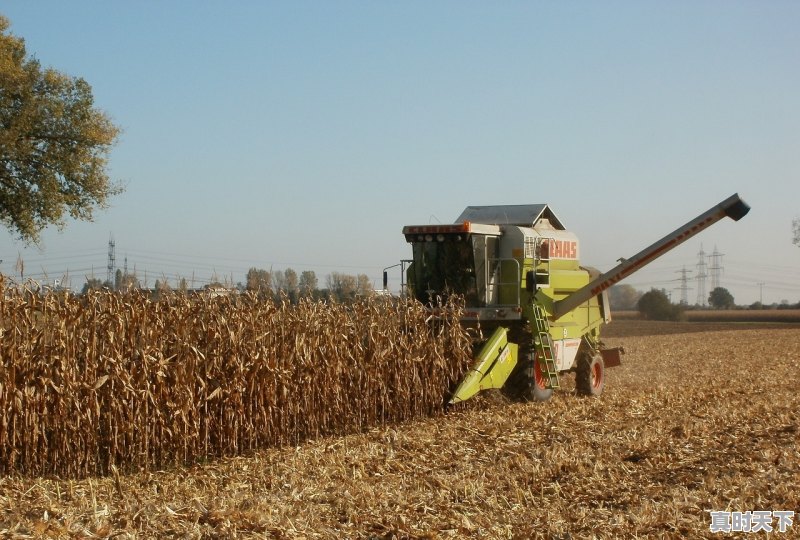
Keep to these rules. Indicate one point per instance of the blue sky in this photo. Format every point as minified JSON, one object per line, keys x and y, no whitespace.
{"x":306,"y":134}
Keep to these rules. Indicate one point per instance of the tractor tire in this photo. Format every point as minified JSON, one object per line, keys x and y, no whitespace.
{"x":531,"y":384}
{"x":524,"y":384}
{"x":538,"y":388}
{"x":590,"y":377}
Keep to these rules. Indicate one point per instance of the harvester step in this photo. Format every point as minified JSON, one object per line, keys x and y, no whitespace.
{"x":544,"y":347}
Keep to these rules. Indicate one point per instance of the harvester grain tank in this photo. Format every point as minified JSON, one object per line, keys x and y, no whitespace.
{"x":519,"y":271}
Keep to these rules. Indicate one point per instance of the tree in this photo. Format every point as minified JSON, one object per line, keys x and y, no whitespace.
{"x":160,"y":289}
{"x":124,"y":281}
{"x":308,"y":283}
{"x":721,"y":298}
{"x":290,"y":283}
{"x":259,"y":281}
{"x":54,"y":144}
{"x":655,"y":305}
{"x":363,"y":285}
{"x":796,"y":231}
{"x":92,"y":284}
{"x":342,"y":287}
{"x":623,"y":297}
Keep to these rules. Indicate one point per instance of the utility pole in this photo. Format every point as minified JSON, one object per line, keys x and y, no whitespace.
{"x":761,"y":293}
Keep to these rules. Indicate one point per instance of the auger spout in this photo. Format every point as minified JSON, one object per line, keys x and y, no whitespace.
{"x":733,"y":207}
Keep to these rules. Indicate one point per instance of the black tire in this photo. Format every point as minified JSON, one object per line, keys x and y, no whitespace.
{"x":522,"y":384}
{"x":530,"y":383}
{"x":590,"y":377}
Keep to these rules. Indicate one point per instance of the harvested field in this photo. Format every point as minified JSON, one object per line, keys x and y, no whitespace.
{"x":640,"y":327}
{"x":690,"y":423}
{"x":789,"y":316}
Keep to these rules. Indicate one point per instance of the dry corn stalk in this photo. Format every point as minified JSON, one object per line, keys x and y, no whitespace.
{"x":118,"y":380}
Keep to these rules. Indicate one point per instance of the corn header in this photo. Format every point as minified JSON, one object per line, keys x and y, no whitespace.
{"x":519,"y":271}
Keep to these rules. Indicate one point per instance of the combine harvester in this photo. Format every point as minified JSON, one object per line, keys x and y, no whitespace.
{"x":519,"y":272}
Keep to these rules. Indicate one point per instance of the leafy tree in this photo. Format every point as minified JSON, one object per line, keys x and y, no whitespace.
{"x":721,"y":298}
{"x":342,"y":287}
{"x":290,"y":283}
{"x":363,"y":285}
{"x":308,"y":283}
{"x":259,"y":281}
{"x":125,"y":282}
{"x":54,"y":144}
{"x":160,"y":289}
{"x":655,"y":305}
{"x":92,"y":284}
{"x":623,"y":297}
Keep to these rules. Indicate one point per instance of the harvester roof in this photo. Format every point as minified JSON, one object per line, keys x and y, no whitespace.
{"x":520,"y":215}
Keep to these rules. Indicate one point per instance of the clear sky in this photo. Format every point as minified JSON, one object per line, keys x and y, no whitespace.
{"x":306,"y":134}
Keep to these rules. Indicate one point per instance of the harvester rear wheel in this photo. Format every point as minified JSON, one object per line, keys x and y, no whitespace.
{"x":590,"y":378}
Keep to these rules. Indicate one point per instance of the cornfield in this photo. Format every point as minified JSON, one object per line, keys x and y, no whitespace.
{"x":111,"y":381}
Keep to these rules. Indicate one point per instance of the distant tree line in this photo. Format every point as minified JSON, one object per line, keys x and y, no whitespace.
{"x":656,"y":304}
{"x":267,"y":283}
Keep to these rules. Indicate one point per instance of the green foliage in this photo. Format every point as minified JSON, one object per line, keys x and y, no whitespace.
{"x":721,"y":298}
{"x":54,"y":144}
{"x":623,"y":297}
{"x":92,"y":284}
{"x":655,"y":305}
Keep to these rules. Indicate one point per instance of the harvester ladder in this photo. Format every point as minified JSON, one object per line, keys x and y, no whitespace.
{"x":543,"y":343}
{"x":541,"y":260}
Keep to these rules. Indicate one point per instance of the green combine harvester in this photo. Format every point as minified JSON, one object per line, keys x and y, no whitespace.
{"x":519,"y":271}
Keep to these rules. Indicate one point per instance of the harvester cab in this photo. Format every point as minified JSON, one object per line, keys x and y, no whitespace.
{"x":518,"y":270}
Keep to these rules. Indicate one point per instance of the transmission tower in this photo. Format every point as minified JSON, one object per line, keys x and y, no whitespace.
{"x":716,"y":268}
{"x":111,"y":260}
{"x":684,"y":288}
{"x":701,"y":277}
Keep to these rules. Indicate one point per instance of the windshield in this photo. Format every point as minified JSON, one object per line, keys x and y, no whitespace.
{"x":444,"y":268}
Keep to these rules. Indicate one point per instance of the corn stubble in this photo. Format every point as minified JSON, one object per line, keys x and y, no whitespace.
{"x":117,"y":382}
